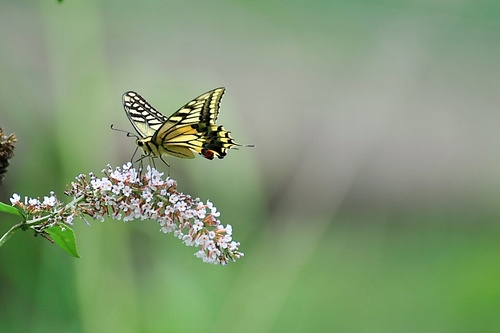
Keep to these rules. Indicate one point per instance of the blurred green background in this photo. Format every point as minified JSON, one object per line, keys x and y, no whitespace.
{"x":371,"y":202}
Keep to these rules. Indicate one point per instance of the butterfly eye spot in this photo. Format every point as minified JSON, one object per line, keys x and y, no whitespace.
{"x":209,"y":154}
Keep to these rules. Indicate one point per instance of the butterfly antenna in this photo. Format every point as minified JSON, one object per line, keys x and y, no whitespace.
{"x":123,"y":131}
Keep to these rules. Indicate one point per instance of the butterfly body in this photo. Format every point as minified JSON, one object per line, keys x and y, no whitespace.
{"x":191,"y":129}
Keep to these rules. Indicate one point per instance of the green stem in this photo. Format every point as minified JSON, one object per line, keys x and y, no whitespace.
{"x":9,"y":233}
{"x":162,"y":198}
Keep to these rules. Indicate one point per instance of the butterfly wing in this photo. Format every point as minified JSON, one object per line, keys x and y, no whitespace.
{"x":145,"y":119}
{"x":203,"y":109}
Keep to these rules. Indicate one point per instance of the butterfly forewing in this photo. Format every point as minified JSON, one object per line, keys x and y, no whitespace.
{"x":203,"y":109}
{"x":145,"y":119}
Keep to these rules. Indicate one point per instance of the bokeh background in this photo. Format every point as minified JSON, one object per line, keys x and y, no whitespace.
{"x":371,"y":202}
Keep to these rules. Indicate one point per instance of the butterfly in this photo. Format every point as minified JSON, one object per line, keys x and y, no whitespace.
{"x":191,"y":129}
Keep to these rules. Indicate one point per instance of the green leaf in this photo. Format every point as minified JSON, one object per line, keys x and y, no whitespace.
{"x":10,"y":209}
{"x":65,"y":238}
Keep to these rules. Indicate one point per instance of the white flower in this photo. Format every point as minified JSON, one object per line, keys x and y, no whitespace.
{"x":209,"y":204}
{"x":16,"y":199}
{"x":214,"y":212}
{"x":222,"y":243}
{"x":147,"y":195}
{"x":33,"y":202}
{"x":188,"y":240}
{"x":200,"y":212}
{"x":188,"y":213}
{"x":49,"y":201}
{"x":211,"y":245}
{"x":128,"y":218}
{"x":198,"y":226}
{"x":234,"y":246}
{"x":96,"y":184}
{"x":202,"y":240}
{"x":115,"y":189}
{"x":200,"y":254}
{"x":146,"y":207}
{"x":69,"y":219}
{"x":105,"y":184}
{"x":173,"y":198}
{"x":126,"y":190}
{"x":180,"y":205}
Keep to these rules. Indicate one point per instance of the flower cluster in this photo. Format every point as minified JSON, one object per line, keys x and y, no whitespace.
{"x":125,"y":194}
{"x":44,"y":213}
